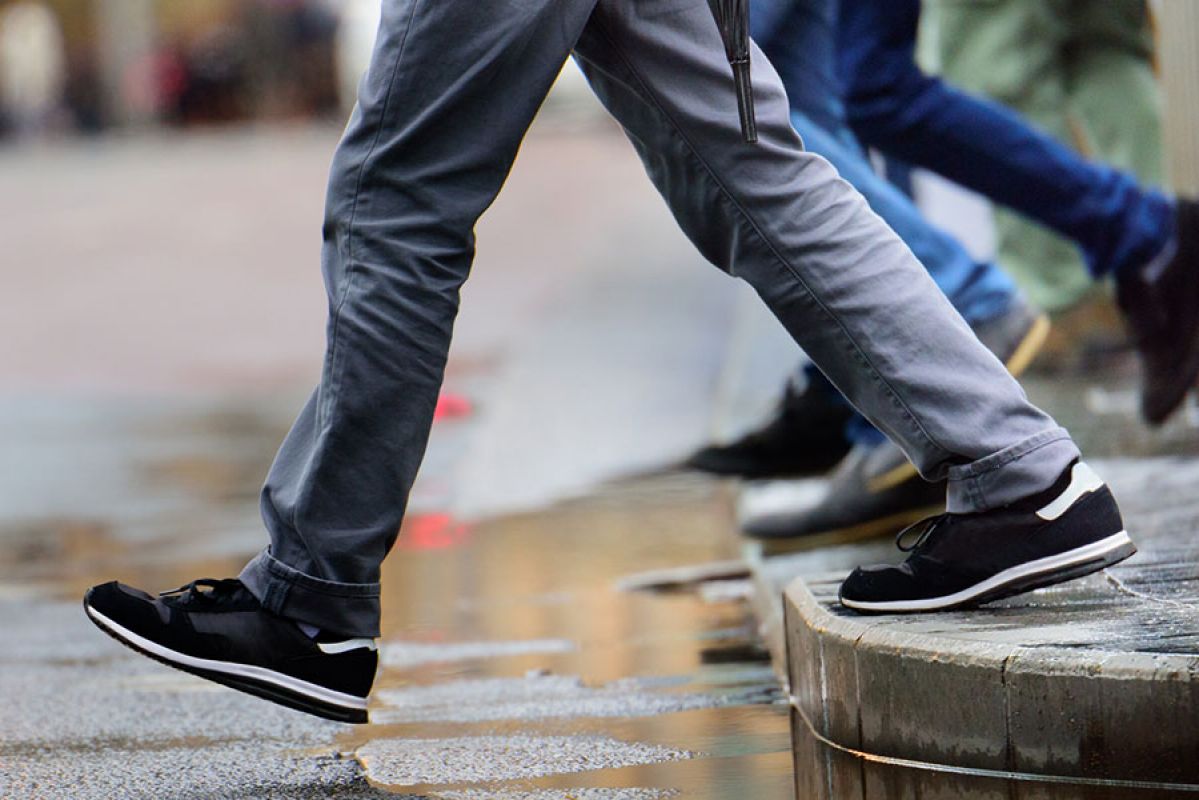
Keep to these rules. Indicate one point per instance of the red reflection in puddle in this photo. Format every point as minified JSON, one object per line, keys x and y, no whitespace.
{"x":437,"y":531}
{"x":452,"y":406}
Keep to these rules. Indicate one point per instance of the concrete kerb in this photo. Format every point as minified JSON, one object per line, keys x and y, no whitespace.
{"x":1026,"y":713}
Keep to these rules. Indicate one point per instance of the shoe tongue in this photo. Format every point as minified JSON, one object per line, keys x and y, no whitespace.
{"x":207,"y":593}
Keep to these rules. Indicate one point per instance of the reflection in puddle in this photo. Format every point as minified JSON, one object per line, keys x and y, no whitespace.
{"x":558,"y":794}
{"x":638,"y":694}
{"x":510,"y":656}
{"x":539,"y":697}
{"x":402,"y":655}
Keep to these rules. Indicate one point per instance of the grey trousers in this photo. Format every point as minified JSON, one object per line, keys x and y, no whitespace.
{"x":451,"y":90}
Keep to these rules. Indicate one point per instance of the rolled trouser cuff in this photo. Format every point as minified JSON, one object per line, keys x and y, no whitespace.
{"x":346,"y":608}
{"x":1012,"y":474}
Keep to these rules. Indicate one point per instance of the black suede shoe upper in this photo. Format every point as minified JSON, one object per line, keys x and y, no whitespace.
{"x":954,"y":552}
{"x":222,"y":621}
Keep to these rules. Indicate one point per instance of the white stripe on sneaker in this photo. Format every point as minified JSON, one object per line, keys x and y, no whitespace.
{"x":1070,"y":558}
{"x":1082,"y":481}
{"x":348,"y":645}
{"x":262,"y":674}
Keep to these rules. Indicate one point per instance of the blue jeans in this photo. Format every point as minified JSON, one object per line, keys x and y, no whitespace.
{"x":1118,"y":224}
{"x":800,"y":39}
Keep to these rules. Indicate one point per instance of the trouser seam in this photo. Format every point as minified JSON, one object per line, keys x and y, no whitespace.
{"x":857,"y":351}
{"x":277,"y":590}
{"x":334,"y":373}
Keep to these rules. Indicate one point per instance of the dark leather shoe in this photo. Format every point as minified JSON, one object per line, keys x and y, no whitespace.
{"x":1163,"y":317}
{"x":805,"y":436}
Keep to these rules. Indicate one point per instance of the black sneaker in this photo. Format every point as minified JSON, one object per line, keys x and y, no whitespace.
{"x":805,"y":436}
{"x":1162,"y":309}
{"x":218,"y":630}
{"x":874,"y":491}
{"x":962,"y":560}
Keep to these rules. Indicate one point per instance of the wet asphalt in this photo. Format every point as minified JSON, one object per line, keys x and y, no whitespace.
{"x":178,"y":336}
{"x":168,"y":337}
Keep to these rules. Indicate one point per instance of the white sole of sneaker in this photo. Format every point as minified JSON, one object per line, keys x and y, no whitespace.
{"x":1014,"y":580}
{"x":242,"y":672}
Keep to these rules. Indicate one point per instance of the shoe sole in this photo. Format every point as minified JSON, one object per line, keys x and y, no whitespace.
{"x":778,"y":545}
{"x":1015,"y":580}
{"x":258,"y":681}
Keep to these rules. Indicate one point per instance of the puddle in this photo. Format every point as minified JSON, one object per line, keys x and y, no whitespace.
{"x":402,"y":655}
{"x":539,"y":697}
{"x":519,"y":659}
{"x":557,"y":794}
{"x":419,"y":762}
{"x":641,"y":693}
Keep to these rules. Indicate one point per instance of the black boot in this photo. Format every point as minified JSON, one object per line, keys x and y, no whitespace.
{"x":805,"y":436}
{"x":1163,"y":315}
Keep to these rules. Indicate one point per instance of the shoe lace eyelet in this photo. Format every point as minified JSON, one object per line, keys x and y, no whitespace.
{"x":923,"y":529}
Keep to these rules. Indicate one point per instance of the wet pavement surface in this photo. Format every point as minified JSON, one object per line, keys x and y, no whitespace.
{"x":167,"y":339}
{"x":535,"y":646}
{"x":514,"y":664}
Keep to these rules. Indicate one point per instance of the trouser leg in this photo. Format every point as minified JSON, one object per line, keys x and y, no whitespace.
{"x":451,"y":90}
{"x":979,"y":290}
{"x":844,"y":285}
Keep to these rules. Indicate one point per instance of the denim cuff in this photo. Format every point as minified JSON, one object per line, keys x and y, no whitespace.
{"x":1012,"y":474}
{"x":351,"y":609}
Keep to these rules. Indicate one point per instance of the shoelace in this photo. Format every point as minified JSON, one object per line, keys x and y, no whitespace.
{"x":203,"y":591}
{"x":924,"y":529}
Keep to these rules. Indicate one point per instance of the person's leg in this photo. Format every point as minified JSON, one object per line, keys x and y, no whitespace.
{"x":451,"y":90}
{"x":843,"y":284}
{"x":979,"y":290}
{"x":856,"y":300}
{"x":811,"y":428}
{"x":799,"y":37}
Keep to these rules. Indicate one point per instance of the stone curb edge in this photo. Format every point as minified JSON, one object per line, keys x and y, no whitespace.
{"x":1055,"y":712}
